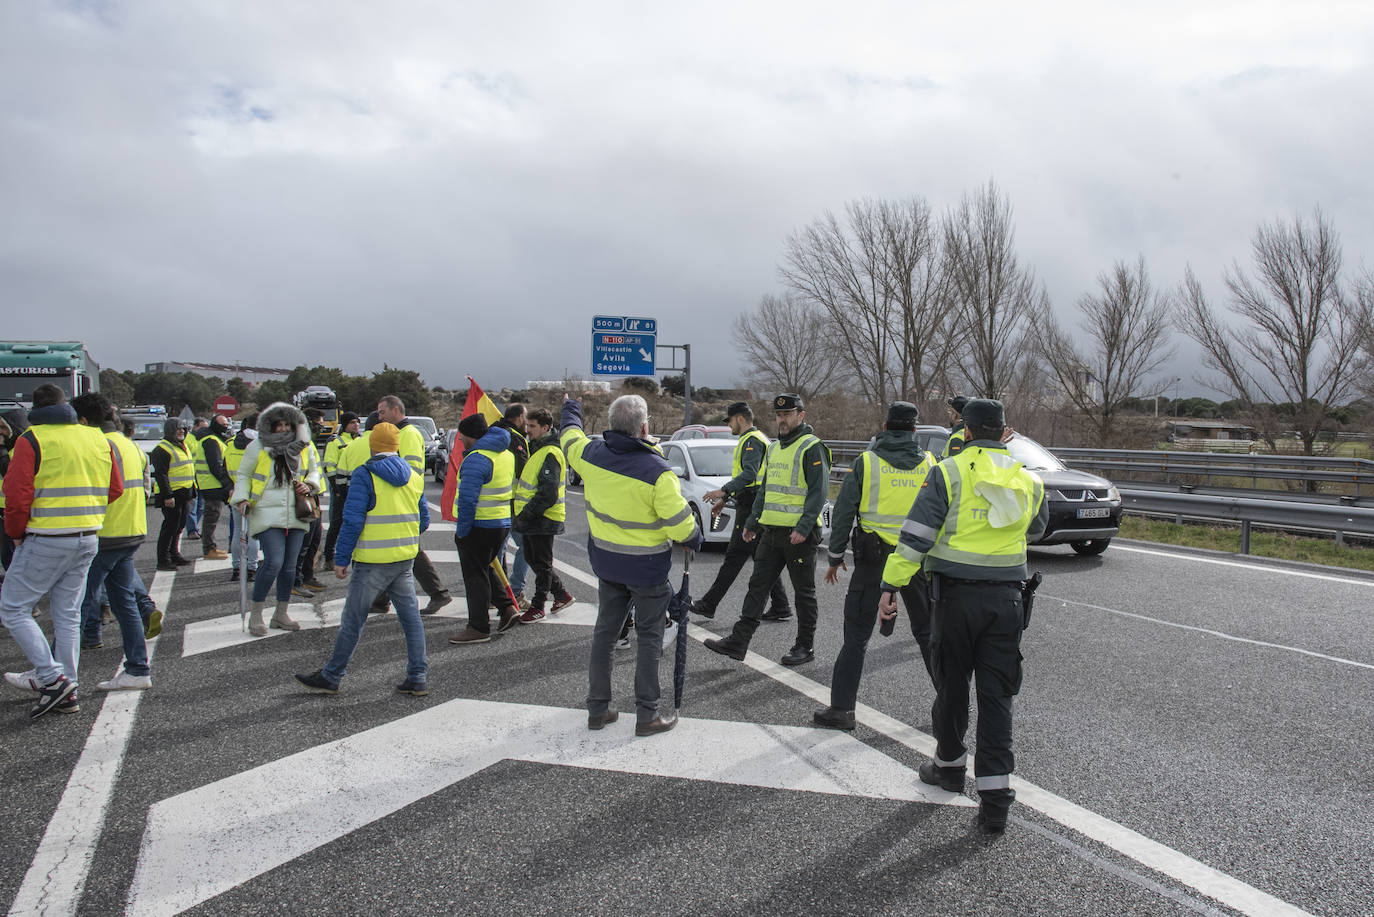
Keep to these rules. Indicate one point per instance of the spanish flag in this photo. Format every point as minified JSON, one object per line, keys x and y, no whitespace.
{"x":477,"y":403}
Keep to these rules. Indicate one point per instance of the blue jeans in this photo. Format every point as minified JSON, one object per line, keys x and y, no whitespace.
{"x":114,"y":571}
{"x":194,"y":510}
{"x":651,"y":605}
{"x":48,"y":565}
{"x":519,"y":569}
{"x":235,"y":549}
{"x":279,"y":550}
{"x":370,"y":580}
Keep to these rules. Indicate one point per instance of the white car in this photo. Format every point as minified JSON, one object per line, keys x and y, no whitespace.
{"x":703,"y":465}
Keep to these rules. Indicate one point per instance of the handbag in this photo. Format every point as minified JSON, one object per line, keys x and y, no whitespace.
{"x":307,"y":506}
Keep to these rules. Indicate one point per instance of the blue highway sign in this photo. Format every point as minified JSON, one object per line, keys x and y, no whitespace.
{"x":619,"y":354}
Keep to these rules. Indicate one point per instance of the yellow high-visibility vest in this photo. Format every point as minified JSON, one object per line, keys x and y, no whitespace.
{"x":973,"y":539}
{"x":493,"y":500}
{"x":888,"y":494}
{"x":391,"y":530}
{"x":127,"y":516}
{"x":784,"y":487}
{"x":624,"y":513}
{"x":72,"y":486}
{"x":737,"y":464}
{"x":529,"y":477}
{"x":181,"y":467}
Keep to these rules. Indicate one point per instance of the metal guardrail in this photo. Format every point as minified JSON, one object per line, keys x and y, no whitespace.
{"x":1286,"y":514}
{"x":1124,"y":465}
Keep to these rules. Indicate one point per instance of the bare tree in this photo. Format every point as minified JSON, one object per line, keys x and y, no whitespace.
{"x":997,"y":297}
{"x":1126,"y":325}
{"x":789,"y":347}
{"x":918,"y":282}
{"x":1292,"y":353}
{"x":843,"y":270}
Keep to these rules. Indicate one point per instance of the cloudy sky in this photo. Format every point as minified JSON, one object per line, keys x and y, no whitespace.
{"x":458,"y":187}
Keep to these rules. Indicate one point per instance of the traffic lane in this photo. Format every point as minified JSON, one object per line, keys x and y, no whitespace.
{"x":1303,"y":606}
{"x":250,"y":713}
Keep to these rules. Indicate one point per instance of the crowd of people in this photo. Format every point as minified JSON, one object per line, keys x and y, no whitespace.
{"x":948,"y":536}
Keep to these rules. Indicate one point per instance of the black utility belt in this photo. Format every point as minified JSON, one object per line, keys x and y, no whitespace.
{"x":63,"y":534}
{"x":984,"y":583}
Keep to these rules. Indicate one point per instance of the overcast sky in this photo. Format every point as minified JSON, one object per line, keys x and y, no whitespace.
{"x":458,"y":187}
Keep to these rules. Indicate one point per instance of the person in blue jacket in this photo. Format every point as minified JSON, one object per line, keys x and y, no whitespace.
{"x":481,"y":512}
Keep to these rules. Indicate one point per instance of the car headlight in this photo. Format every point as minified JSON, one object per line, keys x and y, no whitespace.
{"x":1113,"y":494}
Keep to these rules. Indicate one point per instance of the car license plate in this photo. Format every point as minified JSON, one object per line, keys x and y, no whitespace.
{"x":1095,"y":512}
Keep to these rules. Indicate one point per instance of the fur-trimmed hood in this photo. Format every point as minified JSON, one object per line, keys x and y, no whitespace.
{"x":280,"y":410}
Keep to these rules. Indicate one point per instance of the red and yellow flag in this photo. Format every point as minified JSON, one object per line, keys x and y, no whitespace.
{"x":477,"y":403}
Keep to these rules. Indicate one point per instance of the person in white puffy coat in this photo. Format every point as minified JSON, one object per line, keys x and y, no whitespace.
{"x":276,"y":467}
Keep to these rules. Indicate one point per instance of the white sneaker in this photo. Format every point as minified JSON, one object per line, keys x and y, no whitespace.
{"x":24,"y":681}
{"x":126,"y":682}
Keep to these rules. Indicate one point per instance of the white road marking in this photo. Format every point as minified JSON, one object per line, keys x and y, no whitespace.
{"x":1207,"y":630}
{"x":1149,"y":853}
{"x":201,"y":565}
{"x":1260,"y":568}
{"x":57,"y":875}
{"x":208,"y":840}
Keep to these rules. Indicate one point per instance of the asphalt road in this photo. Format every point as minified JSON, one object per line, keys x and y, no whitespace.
{"x":1193,"y":736}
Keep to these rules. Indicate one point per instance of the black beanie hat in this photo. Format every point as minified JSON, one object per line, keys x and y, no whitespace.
{"x":473,"y":425}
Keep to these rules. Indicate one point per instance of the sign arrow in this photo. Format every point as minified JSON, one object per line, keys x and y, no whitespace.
{"x":209,"y":840}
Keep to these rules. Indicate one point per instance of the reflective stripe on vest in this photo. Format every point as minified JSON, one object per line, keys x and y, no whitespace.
{"x":72,"y":485}
{"x":736,"y":463}
{"x":493,"y":500}
{"x":529,"y":477}
{"x":127,"y":516}
{"x":967,"y":537}
{"x":412,"y":448}
{"x":233,"y":456}
{"x":261,"y":472}
{"x":391,"y":530}
{"x":784,"y":487}
{"x":181,"y":465}
{"x":888,"y":494}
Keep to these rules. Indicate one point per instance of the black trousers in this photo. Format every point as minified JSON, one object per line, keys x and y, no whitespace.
{"x":539,"y":555}
{"x":476,"y":551}
{"x":310,"y":551}
{"x":774,"y":554}
{"x":338,"y":493}
{"x":976,"y":633}
{"x":209,"y":521}
{"x":173,"y":523}
{"x":860,"y":616}
{"x":736,"y":553}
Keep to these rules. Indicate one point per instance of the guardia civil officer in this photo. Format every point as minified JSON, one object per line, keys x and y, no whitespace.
{"x":874,"y":499}
{"x":787,"y":522}
{"x":955,"y":409}
{"x":743,"y":486}
{"x":968,"y":529}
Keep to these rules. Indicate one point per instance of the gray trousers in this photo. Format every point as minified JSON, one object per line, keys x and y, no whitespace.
{"x":651,"y":606}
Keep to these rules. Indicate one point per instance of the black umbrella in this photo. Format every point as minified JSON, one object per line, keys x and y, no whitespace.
{"x":679,"y":606}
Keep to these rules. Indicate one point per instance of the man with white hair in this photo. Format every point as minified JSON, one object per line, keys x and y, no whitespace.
{"x":635,"y":513}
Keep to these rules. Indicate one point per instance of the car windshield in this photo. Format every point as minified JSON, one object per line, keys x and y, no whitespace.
{"x":148,"y":429}
{"x":1033,"y":455}
{"x":713,"y":459}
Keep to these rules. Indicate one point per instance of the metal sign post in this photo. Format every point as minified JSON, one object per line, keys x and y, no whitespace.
{"x":686,"y":370}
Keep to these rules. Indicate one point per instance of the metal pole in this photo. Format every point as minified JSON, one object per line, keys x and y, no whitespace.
{"x":1245,"y":537}
{"x":687,"y":384}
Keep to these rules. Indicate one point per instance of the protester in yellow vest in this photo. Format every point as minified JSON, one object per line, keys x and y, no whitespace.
{"x":214,"y":484}
{"x":540,"y":512}
{"x":874,"y":500}
{"x":239,"y":546}
{"x":174,"y":487}
{"x":380,"y":536}
{"x":196,"y":508}
{"x":786,"y":519}
{"x":968,"y":530}
{"x":59,"y":482}
{"x":124,"y":529}
{"x":391,"y":409}
{"x":481,"y":510}
{"x":349,"y":426}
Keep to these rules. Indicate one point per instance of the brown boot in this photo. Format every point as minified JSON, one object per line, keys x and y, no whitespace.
{"x":281,"y":620}
{"x":216,"y":554}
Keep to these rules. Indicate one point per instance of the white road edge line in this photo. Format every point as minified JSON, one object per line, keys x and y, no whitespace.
{"x":57,"y":875}
{"x":1151,"y":854}
{"x":1207,"y":630}
{"x":1282,"y":571}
